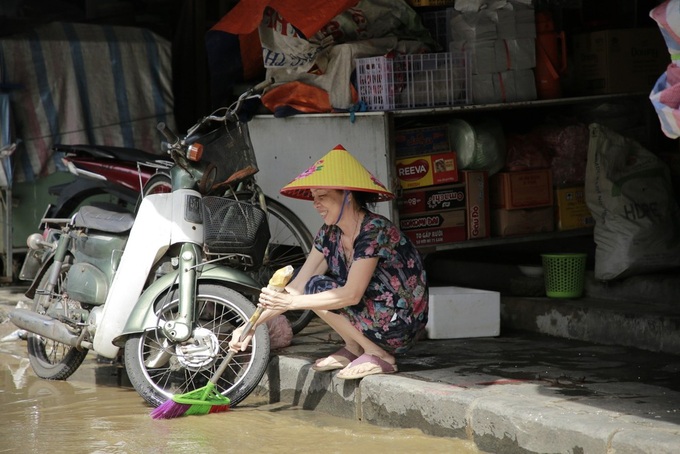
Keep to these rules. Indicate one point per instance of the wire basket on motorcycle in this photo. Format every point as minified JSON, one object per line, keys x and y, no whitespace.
{"x":226,"y":141}
{"x":235,"y":228}
{"x":228,"y":147}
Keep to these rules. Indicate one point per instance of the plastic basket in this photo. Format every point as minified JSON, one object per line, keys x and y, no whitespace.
{"x":414,"y":80}
{"x":229,"y":148}
{"x":564,"y":274}
{"x":233,"y":227}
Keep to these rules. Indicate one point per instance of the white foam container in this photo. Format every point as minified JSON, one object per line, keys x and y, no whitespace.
{"x":459,"y":312}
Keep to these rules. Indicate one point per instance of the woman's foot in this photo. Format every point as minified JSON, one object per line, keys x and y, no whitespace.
{"x":337,"y":360}
{"x":366,"y":365}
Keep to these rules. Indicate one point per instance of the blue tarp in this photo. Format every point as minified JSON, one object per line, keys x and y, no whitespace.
{"x":85,"y":84}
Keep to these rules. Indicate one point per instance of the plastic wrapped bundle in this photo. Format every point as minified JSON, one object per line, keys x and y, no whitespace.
{"x":478,"y":146}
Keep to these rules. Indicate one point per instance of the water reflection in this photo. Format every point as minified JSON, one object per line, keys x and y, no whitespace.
{"x":97,"y":411}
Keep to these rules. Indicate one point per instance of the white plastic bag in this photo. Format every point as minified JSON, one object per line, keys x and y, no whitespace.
{"x":637,"y":219}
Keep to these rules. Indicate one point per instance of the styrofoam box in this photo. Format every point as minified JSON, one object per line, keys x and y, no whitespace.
{"x":457,"y":312}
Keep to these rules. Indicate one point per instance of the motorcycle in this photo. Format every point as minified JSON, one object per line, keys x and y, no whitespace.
{"x":121,"y":172}
{"x":163,"y":289}
{"x":118,"y":172}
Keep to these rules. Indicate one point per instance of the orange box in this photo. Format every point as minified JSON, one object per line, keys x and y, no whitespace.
{"x":427,"y":170}
{"x":521,"y":189}
{"x":522,"y":222}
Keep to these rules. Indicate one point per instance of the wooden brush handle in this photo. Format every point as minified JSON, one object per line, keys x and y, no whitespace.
{"x":246,"y":328}
{"x":251,"y":322}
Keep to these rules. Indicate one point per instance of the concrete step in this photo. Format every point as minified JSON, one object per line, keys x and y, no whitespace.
{"x":602,"y":321}
{"x":641,"y":311}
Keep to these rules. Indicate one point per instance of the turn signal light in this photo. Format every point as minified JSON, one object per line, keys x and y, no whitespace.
{"x":195,"y":152}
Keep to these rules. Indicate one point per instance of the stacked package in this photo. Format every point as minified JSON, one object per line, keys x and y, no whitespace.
{"x":500,"y":37}
{"x":440,"y":203}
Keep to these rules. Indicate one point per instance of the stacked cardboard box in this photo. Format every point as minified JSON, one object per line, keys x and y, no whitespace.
{"x":618,"y":61}
{"x":571,"y":211}
{"x":440,"y":204}
{"x":502,"y":44}
{"x":522,"y":202}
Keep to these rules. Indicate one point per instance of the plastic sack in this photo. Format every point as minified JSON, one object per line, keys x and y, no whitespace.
{"x":667,"y":17}
{"x":296,"y":97}
{"x":479,"y":145}
{"x":665,"y":98}
{"x":280,"y":332}
{"x":284,"y":47}
{"x":568,"y":148}
{"x":307,"y":16}
{"x":629,"y":193}
{"x":333,"y":72}
{"x":326,"y":59}
{"x":526,"y":152}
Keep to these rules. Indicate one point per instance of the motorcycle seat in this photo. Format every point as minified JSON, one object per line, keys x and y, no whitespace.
{"x":91,"y":217}
{"x":118,"y":153}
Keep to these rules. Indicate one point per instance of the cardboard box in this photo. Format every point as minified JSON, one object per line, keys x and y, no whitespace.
{"x":571,"y":211}
{"x":419,"y":141}
{"x":522,"y":189}
{"x":619,"y":61}
{"x":434,"y":198}
{"x":477,"y":218}
{"x":431,"y":229}
{"x":427,"y":170}
{"x":522,"y":222}
{"x":471,"y":195}
{"x":459,"y":312}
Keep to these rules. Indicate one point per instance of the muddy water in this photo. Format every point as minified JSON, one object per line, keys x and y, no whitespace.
{"x":97,"y":411}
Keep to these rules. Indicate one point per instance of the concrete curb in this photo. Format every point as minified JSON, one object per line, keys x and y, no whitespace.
{"x":520,"y":418}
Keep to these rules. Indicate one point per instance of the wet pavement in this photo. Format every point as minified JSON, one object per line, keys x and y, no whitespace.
{"x":98,"y":411}
{"x":516,"y":393}
{"x":519,"y":392}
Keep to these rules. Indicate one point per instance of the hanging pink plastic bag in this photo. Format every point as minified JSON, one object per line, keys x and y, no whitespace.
{"x":665,"y":95}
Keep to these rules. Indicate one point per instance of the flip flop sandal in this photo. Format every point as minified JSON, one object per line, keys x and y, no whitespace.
{"x":380,"y":366}
{"x":342,"y":354}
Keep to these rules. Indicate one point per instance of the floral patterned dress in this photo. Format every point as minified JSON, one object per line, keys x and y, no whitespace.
{"x":393,"y":310}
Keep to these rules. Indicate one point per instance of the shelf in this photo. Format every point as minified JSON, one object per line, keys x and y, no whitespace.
{"x":467,"y":108}
{"x":508,"y":240}
{"x":512,"y":105}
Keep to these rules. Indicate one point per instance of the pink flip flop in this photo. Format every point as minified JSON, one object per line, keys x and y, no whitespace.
{"x":342,"y":354}
{"x":380,"y":366}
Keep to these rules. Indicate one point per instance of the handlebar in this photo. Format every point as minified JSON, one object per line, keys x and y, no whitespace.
{"x":231,"y":112}
{"x":170,"y":136}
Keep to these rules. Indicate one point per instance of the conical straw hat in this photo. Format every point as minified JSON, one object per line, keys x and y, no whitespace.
{"x":338,"y":169}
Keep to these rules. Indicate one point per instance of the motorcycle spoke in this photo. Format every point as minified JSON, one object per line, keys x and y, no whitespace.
{"x":176,"y":375}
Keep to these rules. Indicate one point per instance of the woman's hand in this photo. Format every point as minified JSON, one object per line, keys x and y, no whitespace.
{"x":276,"y":301}
{"x":234,"y":343}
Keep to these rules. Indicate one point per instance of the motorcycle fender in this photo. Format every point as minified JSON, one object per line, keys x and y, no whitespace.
{"x":143,"y":316}
{"x":47,"y":262}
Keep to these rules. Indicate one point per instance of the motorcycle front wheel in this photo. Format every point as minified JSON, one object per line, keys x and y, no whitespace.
{"x":159,"y":369}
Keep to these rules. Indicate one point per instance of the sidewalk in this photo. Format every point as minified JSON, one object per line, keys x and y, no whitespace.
{"x":517,"y":393}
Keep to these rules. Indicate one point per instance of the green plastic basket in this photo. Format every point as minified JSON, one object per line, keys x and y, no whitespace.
{"x":564,"y":274}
